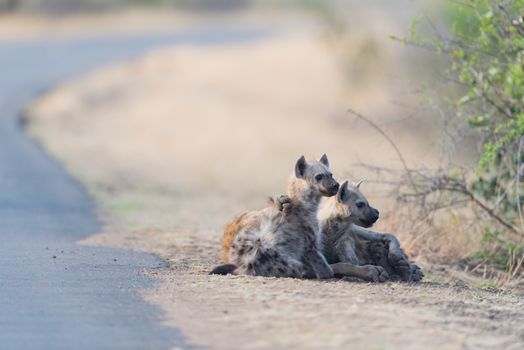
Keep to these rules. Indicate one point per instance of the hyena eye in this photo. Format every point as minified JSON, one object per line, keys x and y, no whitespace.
{"x":319,"y":177}
{"x":360,"y":205}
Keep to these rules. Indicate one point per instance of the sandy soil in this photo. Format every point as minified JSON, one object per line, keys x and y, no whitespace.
{"x":176,"y":143}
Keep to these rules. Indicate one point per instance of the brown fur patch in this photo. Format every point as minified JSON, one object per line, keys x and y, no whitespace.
{"x":230,"y":232}
{"x":240,"y":221}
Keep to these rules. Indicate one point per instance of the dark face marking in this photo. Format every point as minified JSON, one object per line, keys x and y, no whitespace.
{"x":328,"y":186}
{"x":369,"y":217}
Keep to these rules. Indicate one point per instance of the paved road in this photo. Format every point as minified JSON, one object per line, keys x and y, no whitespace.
{"x":55,"y":294}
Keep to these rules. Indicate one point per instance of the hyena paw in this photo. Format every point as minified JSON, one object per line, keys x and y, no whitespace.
{"x":283,"y":203}
{"x":375,"y":273}
{"x":416,"y":273}
{"x":400,"y":264}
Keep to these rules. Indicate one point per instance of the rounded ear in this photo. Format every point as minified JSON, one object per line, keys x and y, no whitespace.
{"x":357,"y":185}
{"x":300,"y":167}
{"x":343,"y":192}
{"x":324,"y":160}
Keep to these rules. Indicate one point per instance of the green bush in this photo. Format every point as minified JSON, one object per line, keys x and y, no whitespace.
{"x":484,"y":49}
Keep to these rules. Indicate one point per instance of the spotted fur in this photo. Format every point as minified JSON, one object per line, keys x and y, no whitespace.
{"x":279,"y":242}
{"x":346,"y":239}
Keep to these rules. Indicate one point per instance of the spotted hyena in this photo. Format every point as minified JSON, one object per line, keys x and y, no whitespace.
{"x":354,"y":250}
{"x":278,"y":242}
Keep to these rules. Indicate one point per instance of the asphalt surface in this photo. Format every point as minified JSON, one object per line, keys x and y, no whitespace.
{"x":55,"y":294}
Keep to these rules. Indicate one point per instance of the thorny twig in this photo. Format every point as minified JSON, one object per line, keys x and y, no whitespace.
{"x":431,"y":182}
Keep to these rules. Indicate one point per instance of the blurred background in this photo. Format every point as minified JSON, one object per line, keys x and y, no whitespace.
{"x":207,"y":124}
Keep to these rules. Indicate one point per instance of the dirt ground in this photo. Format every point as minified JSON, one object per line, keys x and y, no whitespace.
{"x":174,"y":144}
{"x":237,"y":312}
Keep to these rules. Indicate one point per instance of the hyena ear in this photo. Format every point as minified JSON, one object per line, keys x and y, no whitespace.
{"x":343,"y":192}
{"x":300,"y":167}
{"x":357,"y":184}
{"x":324,"y":160}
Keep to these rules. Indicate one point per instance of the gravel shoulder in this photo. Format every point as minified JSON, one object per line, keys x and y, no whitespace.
{"x":174,"y":144}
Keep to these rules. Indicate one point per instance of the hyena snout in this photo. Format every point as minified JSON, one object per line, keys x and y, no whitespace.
{"x":330,"y":188}
{"x":334,"y":188}
{"x":376,"y":213}
{"x":373,"y":215}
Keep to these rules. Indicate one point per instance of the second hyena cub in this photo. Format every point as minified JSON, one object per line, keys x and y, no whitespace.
{"x":352,"y":249}
{"x":282,"y":243}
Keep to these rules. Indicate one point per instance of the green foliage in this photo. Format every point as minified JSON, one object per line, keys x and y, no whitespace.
{"x":485,"y":52}
{"x":484,"y":47}
{"x":485,"y":284}
{"x":487,"y":58}
{"x":499,"y":256}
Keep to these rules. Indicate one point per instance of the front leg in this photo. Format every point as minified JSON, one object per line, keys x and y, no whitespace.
{"x":396,"y":258}
{"x":392,"y":241}
{"x":370,"y":273}
{"x":416,"y":273}
{"x":316,"y":265}
{"x":400,"y":264}
{"x":370,"y":235}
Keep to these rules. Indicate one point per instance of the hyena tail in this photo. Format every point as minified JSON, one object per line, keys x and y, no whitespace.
{"x":225,"y":269}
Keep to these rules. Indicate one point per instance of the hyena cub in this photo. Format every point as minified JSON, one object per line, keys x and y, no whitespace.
{"x":356,"y":251}
{"x":283,"y":243}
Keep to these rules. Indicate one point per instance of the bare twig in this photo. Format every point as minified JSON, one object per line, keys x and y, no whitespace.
{"x":391,"y":142}
{"x":464,"y":190}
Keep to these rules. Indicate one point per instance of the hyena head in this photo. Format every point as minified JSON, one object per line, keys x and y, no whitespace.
{"x":316,"y":175}
{"x":358,"y":208}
